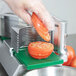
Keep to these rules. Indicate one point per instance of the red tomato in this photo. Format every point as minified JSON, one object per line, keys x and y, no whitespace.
{"x":56,"y":53}
{"x":40,"y":50}
{"x":56,"y":41}
{"x":40,"y":27}
{"x":73,"y":63}
{"x":71,"y":55}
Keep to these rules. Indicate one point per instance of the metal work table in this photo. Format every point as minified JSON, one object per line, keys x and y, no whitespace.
{"x":71,"y":40}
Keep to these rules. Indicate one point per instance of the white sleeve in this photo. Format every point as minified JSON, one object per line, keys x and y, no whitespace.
{"x":4,"y":8}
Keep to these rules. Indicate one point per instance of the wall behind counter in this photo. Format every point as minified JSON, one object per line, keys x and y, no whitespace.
{"x":65,"y":10}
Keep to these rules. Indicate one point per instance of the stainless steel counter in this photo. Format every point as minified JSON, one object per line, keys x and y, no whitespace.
{"x":71,"y":40}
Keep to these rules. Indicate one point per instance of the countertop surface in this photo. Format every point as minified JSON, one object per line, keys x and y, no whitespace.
{"x":70,"y":40}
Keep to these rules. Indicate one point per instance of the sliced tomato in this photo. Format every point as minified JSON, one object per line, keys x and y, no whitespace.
{"x":73,"y":63}
{"x":40,"y":50}
{"x":70,"y":54}
{"x":40,"y":27}
{"x":56,"y":53}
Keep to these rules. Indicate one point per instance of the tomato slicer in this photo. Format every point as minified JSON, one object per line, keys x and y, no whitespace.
{"x":16,"y":35}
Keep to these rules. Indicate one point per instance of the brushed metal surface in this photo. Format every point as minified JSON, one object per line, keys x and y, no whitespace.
{"x":2,"y":26}
{"x":2,"y":71}
{"x":7,"y":21}
{"x":10,"y":64}
{"x":52,"y":71}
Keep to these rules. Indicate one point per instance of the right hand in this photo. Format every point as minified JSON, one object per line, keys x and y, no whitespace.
{"x":22,"y":8}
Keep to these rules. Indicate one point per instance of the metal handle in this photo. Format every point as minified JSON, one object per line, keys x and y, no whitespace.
{"x":59,"y":39}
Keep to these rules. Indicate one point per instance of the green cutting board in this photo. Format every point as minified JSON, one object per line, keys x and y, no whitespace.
{"x":31,"y":63}
{"x":4,"y":38}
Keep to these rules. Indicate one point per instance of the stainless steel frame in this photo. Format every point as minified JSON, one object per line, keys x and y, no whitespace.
{"x":10,"y":64}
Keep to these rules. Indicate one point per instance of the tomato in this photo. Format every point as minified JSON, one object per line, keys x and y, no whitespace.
{"x":56,"y":41}
{"x":56,"y":53}
{"x":71,"y":55}
{"x":73,"y":63}
{"x":40,"y":50}
{"x":40,"y":27}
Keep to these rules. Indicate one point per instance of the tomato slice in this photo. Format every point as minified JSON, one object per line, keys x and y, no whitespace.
{"x":73,"y":63}
{"x":71,"y":55}
{"x":56,"y":53}
{"x":40,"y":50}
{"x":40,"y":27}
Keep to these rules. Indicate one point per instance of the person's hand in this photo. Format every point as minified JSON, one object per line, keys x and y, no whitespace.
{"x":23,"y":7}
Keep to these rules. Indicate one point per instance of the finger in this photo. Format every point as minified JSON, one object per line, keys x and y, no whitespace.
{"x":23,"y":14}
{"x":43,"y":14}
